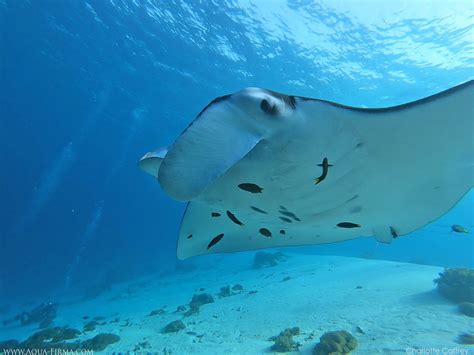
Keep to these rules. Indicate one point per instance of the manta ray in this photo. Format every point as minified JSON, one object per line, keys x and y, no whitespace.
{"x":262,"y":169}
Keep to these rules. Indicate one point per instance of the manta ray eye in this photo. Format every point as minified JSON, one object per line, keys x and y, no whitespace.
{"x":267,"y":107}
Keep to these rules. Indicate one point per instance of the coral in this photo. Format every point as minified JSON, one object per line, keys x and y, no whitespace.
{"x":466,"y":338}
{"x":180,"y":308}
{"x":157,"y":312}
{"x":225,"y":292}
{"x":238,"y":287}
{"x":284,"y":341}
{"x":44,"y":315}
{"x":28,"y":344}
{"x":201,"y":299}
{"x":65,"y":334}
{"x":457,"y":284}
{"x":467,"y":308}
{"x":90,"y":326}
{"x":52,"y":338}
{"x":9,"y":344}
{"x":173,"y":327}
{"x":335,"y":343}
{"x":197,"y":302}
{"x":55,"y":335}
{"x":263,"y":259}
{"x":100,"y":342}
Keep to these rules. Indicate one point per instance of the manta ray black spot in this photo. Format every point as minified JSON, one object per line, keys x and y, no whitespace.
{"x":394,"y":232}
{"x":215,"y":240}
{"x":189,"y":236}
{"x":348,"y":225}
{"x":258,"y":209}
{"x":287,"y":213}
{"x":265,"y":232}
{"x":282,"y":231}
{"x":286,"y":219}
{"x":233,"y":218}
{"x":215,"y":214}
{"x":253,"y":188}
{"x":325,"y":165}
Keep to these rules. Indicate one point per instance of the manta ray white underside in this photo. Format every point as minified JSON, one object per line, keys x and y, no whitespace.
{"x":262,"y":169}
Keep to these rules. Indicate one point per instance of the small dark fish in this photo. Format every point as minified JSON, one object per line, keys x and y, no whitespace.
{"x":348,"y":225}
{"x":265,"y":232}
{"x":258,"y":209}
{"x":215,"y":240}
{"x":359,"y":329}
{"x":325,"y":165}
{"x":282,"y":231}
{"x":233,"y":218}
{"x":459,"y":229}
{"x":253,"y":188}
{"x":215,"y":214}
{"x":189,"y":236}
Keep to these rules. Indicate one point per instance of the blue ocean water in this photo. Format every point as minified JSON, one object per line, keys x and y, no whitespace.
{"x":89,"y":86}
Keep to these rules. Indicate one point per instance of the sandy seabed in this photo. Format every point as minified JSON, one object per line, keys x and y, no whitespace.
{"x":390,"y":307}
